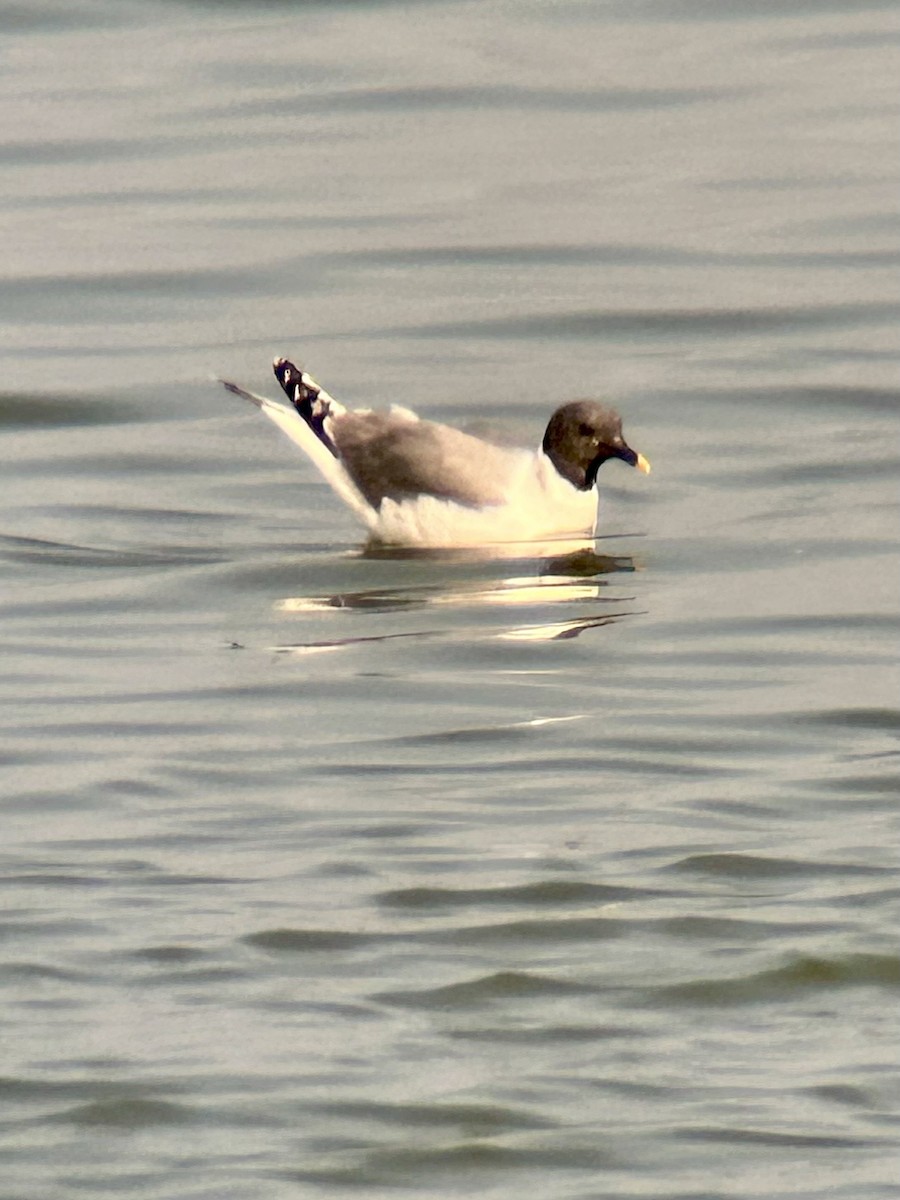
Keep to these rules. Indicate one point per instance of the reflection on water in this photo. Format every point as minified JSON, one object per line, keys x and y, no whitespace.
{"x":553,"y":583}
{"x":559,"y":555}
{"x":570,"y":578}
{"x":559,"y":631}
{"x":325,"y":647}
{"x":553,"y":632}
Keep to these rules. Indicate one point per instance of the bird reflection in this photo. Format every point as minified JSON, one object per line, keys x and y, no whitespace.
{"x":576,"y":575}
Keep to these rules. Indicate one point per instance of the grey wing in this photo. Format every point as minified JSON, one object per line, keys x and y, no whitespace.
{"x":395,"y":456}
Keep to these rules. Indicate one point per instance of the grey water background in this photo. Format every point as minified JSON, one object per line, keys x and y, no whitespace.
{"x":328,"y":873}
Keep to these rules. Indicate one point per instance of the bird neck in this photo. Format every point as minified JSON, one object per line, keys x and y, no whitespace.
{"x":578,"y":476}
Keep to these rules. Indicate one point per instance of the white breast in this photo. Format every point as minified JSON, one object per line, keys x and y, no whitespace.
{"x":540,"y":505}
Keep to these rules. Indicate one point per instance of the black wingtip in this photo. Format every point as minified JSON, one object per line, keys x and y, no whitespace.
{"x":290,"y":377}
{"x":304,"y":395}
{"x":297,"y":386}
{"x":239,"y":391}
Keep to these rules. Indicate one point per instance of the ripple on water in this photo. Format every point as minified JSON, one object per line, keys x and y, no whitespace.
{"x":128,"y":1113}
{"x":799,"y":979}
{"x":660,"y":324}
{"x":498,"y":987}
{"x":547,"y":892}
{"x":751,"y":866}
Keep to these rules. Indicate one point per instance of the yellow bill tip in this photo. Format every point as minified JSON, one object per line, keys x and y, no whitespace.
{"x":642,"y":464}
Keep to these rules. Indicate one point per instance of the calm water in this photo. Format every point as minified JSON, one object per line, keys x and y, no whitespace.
{"x":335,"y":874}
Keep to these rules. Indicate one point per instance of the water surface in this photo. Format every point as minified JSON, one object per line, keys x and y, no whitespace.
{"x":329,"y":871}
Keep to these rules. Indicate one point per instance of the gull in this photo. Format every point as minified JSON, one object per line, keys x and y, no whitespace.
{"x":417,"y":483}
